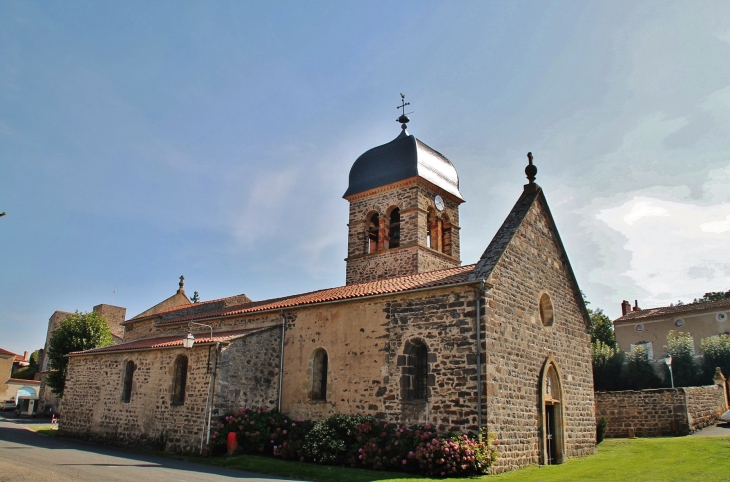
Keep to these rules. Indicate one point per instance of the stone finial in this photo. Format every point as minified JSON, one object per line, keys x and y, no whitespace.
{"x":531,"y":169}
{"x":719,"y":378}
{"x":182,"y":283}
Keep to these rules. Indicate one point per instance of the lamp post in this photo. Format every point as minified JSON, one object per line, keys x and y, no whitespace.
{"x":188,"y":342}
{"x":668,"y":361}
{"x":189,"y":339}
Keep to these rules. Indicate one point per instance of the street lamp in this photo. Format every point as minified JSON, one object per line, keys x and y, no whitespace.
{"x":189,"y":339}
{"x":668,"y":361}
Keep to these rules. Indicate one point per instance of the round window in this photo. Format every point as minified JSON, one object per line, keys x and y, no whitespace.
{"x":547,"y":314}
{"x":639,"y":327}
{"x":721,"y":317}
{"x":679,"y":322}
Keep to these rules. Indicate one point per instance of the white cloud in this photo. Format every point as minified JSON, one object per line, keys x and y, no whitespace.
{"x":681,"y":255}
{"x":643,"y":209}
{"x":716,"y":226}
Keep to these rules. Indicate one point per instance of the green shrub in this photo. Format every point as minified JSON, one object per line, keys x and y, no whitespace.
{"x":638,"y":373}
{"x":716,"y":353}
{"x":684,"y":369}
{"x":329,"y":440}
{"x":601,"y":428}
{"x":263,"y":432}
{"x":607,"y":367}
{"x":357,"y":441}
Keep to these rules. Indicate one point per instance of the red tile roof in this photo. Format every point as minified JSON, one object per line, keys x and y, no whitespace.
{"x":169,"y":341}
{"x":393,"y":285}
{"x":669,"y":311}
{"x":7,"y":353}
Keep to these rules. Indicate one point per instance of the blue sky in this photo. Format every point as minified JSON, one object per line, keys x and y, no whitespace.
{"x":140,"y":141}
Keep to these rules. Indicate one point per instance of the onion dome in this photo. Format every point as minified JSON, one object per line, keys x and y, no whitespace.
{"x":402,"y":158}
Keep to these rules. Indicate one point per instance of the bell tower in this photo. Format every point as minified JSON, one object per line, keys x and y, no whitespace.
{"x":404,"y":210}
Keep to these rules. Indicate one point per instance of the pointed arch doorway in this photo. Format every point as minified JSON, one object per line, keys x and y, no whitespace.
{"x":552,"y":413}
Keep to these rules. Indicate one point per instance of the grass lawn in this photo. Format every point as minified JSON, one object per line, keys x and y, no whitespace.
{"x":655,"y":459}
{"x":45,"y":429}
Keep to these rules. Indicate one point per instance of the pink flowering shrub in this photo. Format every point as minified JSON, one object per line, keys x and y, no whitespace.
{"x":419,"y":449}
{"x":357,"y":441}
{"x":263,"y":432}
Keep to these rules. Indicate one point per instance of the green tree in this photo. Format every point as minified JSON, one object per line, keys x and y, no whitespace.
{"x":601,"y":325}
{"x":638,"y":374}
{"x":607,"y":367}
{"x":80,"y":331}
{"x":716,"y":353}
{"x":29,"y":372}
{"x":714,"y":296}
{"x":685,"y":370}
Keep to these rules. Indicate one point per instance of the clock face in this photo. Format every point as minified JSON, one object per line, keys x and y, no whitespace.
{"x":439,"y":202}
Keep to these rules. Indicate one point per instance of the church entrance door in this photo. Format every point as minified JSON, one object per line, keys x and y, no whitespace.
{"x":552,"y":417}
{"x":550,"y":433}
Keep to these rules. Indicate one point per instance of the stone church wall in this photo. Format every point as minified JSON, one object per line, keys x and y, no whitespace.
{"x":93,"y":407}
{"x":248,"y":372}
{"x":365,"y":344}
{"x":518,"y":344}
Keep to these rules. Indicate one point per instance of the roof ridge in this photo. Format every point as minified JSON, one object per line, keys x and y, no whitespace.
{"x":660,"y":311}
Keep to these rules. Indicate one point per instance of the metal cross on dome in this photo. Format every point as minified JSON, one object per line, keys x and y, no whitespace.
{"x":403,"y":119}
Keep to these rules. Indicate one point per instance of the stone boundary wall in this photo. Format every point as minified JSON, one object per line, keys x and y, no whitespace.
{"x":661,"y":411}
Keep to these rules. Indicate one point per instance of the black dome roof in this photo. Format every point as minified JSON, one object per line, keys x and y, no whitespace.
{"x":402,"y":158}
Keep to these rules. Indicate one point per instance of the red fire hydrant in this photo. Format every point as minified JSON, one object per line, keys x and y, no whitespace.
{"x":232,"y":442}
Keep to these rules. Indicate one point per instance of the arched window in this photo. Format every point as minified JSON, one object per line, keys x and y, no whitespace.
{"x":446,"y":236}
{"x":373,"y":232}
{"x":319,"y":375}
{"x":415,"y":371}
{"x":394,"y":229}
{"x":431,"y":229}
{"x":180,"y":380}
{"x":547,"y":315}
{"x":127,"y":386}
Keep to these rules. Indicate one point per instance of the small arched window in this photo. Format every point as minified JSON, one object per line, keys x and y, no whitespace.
{"x":319,"y":375}
{"x":547,"y":315}
{"x":446,"y":236}
{"x":127,"y":385}
{"x":180,"y":380}
{"x":431,"y":229}
{"x":394,"y":229}
{"x":415,"y":371}
{"x":373,"y":232}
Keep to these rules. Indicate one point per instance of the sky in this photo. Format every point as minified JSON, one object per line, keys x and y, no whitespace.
{"x":143,"y":141}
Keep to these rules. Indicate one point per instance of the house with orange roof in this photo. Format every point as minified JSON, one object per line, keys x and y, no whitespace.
{"x":413,"y":337}
{"x":649,"y":327}
{"x":11,"y":388}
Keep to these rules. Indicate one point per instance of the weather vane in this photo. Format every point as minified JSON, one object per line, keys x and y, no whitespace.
{"x":403,"y":119}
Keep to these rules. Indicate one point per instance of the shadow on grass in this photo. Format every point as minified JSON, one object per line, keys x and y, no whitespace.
{"x":299,"y":470}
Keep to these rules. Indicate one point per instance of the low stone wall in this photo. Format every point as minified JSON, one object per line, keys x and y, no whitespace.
{"x":658,"y":412}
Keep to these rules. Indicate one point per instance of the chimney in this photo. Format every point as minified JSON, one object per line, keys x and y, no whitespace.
{"x":25,"y":356}
{"x":636,"y":305}
{"x":625,"y":308}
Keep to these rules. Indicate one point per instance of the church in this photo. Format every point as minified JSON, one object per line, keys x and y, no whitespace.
{"x":414,"y":336}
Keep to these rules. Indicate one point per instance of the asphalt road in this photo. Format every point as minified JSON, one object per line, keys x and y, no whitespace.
{"x":28,"y":456}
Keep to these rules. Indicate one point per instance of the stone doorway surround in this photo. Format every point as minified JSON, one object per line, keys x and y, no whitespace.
{"x":552,"y":398}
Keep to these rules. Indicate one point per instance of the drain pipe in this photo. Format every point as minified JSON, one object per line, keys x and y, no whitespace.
{"x":479,"y":292}
{"x":281,"y":357}
{"x":211,"y":391}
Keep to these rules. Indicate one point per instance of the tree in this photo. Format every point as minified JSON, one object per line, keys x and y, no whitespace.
{"x":29,"y":372}
{"x":607,"y":367}
{"x":601,"y":325}
{"x":684,"y":369}
{"x":80,"y":331}
{"x":195,"y":298}
{"x":638,"y":374}
{"x":714,"y":296}
{"x":716,"y":353}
